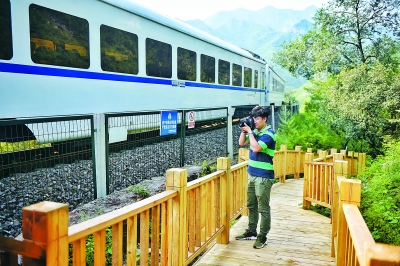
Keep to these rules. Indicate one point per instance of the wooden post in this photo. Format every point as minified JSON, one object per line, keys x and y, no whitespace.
{"x":226,"y":203}
{"x":46,"y":224}
{"x":382,"y":254}
{"x":309,"y":157}
{"x":323,"y":154}
{"x":284,"y":160}
{"x":177,"y":180}
{"x":309,"y":150}
{"x":350,"y":159}
{"x":243,"y":155}
{"x":339,"y":170}
{"x":333,"y":151}
{"x":361,"y":162}
{"x":349,"y":192}
{"x":298,"y":161}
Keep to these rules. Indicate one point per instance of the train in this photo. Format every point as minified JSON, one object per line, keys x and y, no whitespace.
{"x":68,"y":57}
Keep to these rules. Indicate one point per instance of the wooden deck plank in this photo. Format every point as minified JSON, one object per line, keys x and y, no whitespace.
{"x":297,"y":236}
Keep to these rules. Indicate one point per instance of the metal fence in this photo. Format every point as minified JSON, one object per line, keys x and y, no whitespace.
{"x":137,"y":151}
{"x":46,"y":159}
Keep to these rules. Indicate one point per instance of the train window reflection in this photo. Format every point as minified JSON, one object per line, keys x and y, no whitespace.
{"x":255,"y":79}
{"x":224,"y":72}
{"x":236,"y":75}
{"x":57,"y":38}
{"x":186,"y":64}
{"x":119,"y":50}
{"x":158,"y":59}
{"x":247,"y":77}
{"x":6,"y":51}
{"x":207,"y":65}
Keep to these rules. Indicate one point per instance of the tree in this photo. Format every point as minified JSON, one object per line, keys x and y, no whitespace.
{"x":363,"y":102}
{"x":347,"y":33}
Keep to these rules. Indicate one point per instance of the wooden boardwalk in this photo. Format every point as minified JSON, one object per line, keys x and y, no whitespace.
{"x":297,"y":236}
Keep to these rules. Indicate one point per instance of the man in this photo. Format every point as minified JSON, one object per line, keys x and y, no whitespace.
{"x":261,"y":175}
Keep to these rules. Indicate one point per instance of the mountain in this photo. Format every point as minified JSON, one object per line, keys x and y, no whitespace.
{"x":281,"y":20}
{"x":260,"y":31}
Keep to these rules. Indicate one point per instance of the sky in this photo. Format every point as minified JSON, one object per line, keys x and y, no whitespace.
{"x":202,"y":9}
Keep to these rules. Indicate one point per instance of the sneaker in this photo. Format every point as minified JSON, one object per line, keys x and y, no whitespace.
{"x":260,"y":242}
{"x":247,"y":235}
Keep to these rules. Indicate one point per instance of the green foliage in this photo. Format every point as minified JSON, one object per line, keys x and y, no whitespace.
{"x":21,"y":146}
{"x":346,"y":34}
{"x":140,"y":190}
{"x":321,"y":210}
{"x":380,"y":198}
{"x":90,"y":244}
{"x":361,"y":102}
{"x":207,"y":169}
{"x":307,"y":131}
{"x":90,"y":248}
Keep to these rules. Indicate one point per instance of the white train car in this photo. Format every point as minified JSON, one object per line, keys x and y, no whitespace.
{"x":79,"y":57}
{"x":275,"y":87}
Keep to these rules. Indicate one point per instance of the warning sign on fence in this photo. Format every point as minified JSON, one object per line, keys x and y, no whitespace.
{"x":191,"y":120}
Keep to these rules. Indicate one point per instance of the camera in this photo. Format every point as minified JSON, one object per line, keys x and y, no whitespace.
{"x":249,"y":121}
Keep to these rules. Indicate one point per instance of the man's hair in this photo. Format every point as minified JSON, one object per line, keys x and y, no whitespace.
{"x":259,"y":111}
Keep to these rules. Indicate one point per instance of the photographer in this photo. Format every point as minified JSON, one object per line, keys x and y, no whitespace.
{"x":261,"y":173}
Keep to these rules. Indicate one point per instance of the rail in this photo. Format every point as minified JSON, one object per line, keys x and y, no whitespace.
{"x":177,"y":225}
{"x":326,"y":184}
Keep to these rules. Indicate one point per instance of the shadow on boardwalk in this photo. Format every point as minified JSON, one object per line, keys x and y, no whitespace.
{"x":297,"y":236}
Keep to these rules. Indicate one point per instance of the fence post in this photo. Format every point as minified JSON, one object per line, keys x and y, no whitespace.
{"x":177,"y":180}
{"x":282,"y":178}
{"x":349,"y":192}
{"x":226,"y":201}
{"x":298,"y":161}
{"x":339,"y":169}
{"x":361,"y":162}
{"x":382,"y":254}
{"x":46,"y":224}
{"x":243,"y":155}
{"x":309,"y":157}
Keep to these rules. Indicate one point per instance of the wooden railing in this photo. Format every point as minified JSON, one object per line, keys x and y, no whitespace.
{"x":175,"y":225}
{"x":326,"y":184}
{"x":288,"y":163}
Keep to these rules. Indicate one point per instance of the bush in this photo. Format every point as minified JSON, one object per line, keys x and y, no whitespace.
{"x":380,"y":196}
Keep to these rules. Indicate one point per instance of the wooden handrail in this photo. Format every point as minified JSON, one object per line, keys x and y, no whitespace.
{"x":22,"y":247}
{"x":187,"y":217}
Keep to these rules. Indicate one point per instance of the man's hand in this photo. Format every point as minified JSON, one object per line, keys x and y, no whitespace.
{"x":246,"y":129}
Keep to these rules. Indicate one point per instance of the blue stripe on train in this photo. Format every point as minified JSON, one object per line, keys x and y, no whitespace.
{"x":69,"y":73}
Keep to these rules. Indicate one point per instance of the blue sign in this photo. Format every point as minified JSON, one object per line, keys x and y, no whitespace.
{"x":169,"y":122}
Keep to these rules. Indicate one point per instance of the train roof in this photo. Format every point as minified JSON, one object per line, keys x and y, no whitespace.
{"x":175,"y":24}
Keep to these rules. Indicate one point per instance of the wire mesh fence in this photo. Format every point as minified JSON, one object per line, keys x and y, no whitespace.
{"x":47,"y":159}
{"x":145,"y":153}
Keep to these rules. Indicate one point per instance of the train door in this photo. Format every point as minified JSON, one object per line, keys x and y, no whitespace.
{"x":263,"y":96}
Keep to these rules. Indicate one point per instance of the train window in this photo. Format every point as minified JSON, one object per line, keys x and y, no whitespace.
{"x":247,"y":77}
{"x":255,"y":79}
{"x":186,"y":64}
{"x":58,"y":38}
{"x":224,"y":72}
{"x":6,"y":51}
{"x":262,"y":80}
{"x":207,"y":65}
{"x":236,"y":75}
{"x":158,"y":59}
{"x":119,"y":50}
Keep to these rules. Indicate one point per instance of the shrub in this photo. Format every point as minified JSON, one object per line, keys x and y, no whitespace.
{"x":380,"y":198}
